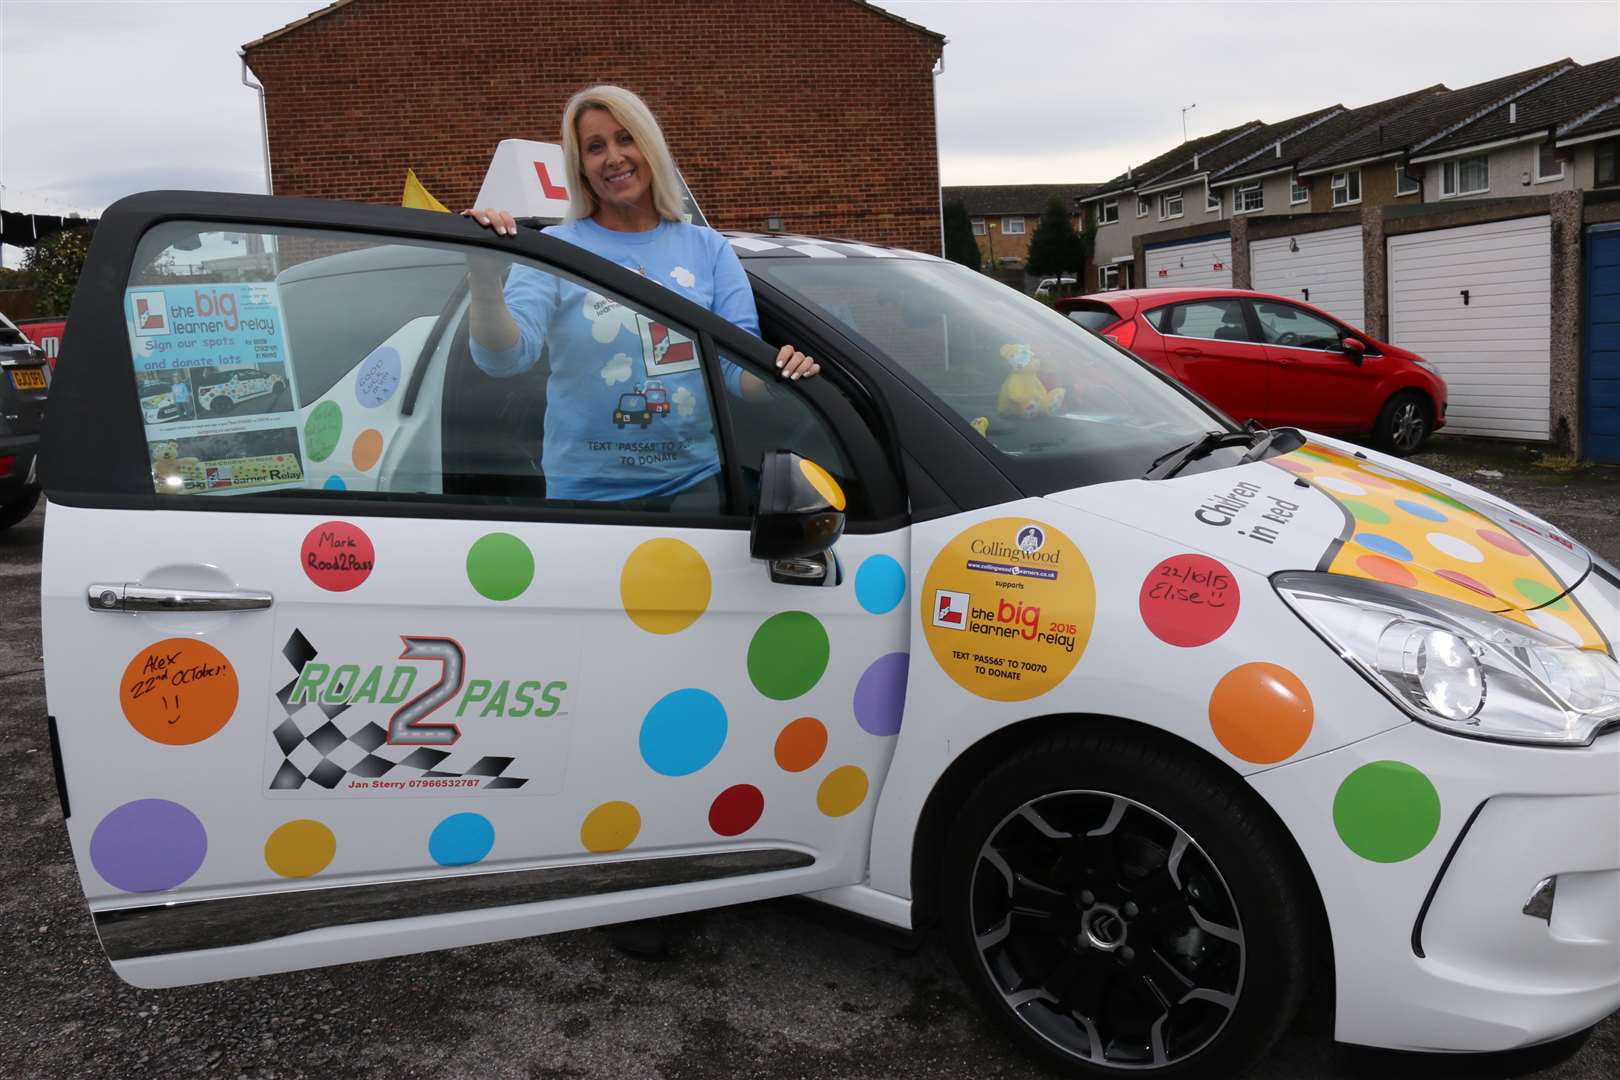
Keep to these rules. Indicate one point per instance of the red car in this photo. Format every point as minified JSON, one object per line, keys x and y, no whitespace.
{"x":1275,"y":360}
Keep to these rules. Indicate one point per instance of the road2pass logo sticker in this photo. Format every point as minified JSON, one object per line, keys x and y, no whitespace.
{"x":1009,"y":605}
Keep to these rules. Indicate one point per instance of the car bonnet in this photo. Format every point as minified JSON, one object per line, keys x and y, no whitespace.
{"x":1332,"y":508}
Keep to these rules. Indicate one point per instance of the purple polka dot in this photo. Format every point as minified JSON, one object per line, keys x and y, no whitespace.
{"x":378,"y":377}
{"x":880,"y":696}
{"x":148,"y":845}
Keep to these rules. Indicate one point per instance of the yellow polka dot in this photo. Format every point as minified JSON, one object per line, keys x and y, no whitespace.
{"x":665,"y":586}
{"x":822,"y":481}
{"x":842,"y":791}
{"x":300,"y":848}
{"x":613,"y":826}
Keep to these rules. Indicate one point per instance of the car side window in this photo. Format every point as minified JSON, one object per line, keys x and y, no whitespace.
{"x":1215,"y":320}
{"x":323,"y":363}
{"x":1289,"y":326}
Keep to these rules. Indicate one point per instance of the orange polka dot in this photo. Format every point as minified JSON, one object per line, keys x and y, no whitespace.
{"x":1261,"y":713}
{"x":1365,"y":477}
{"x":1377,"y":566}
{"x":801,"y":744}
{"x":368,"y":447}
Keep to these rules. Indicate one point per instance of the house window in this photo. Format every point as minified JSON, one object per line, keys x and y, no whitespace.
{"x":1248,"y":198}
{"x":978,"y":226}
{"x":1347,"y":187}
{"x":1405,"y":182}
{"x":1465,"y":176}
{"x":1549,"y":165}
{"x":1169,"y":205}
{"x":1212,"y":200}
{"x":1606,"y":163}
{"x":1012,"y":226}
{"x":1299,"y":192}
{"x":1107,"y":277}
{"x":1141,"y":207}
{"x":1108,"y":211}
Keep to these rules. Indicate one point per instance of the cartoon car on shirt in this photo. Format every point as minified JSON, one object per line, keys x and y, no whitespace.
{"x":657,"y":398}
{"x":222,"y":389}
{"x":1162,"y":722}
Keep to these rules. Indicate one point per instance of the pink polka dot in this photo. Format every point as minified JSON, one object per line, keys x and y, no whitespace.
{"x":1457,"y":577}
{"x":1503,"y":541}
{"x":1365,"y":477}
{"x":1295,"y":467}
{"x":1377,"y":566}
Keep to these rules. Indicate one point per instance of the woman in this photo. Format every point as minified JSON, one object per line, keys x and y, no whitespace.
{"x":624,"y":205}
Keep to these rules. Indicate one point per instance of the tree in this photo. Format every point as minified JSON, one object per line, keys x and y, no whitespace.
{"x":1056,"y":249}
{"x":53,"y":265}
{"x":959,"y":243}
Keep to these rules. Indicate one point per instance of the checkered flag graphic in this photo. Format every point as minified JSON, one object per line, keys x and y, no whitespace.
{"x":322,"y":746}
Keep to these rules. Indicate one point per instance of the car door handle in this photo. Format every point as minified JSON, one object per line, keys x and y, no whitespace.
{"x":1185,"y":351}
{"x":137,"y":598}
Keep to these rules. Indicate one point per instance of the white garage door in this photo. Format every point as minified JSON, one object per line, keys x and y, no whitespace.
{"x":1324,"y":271}
{"x":1493,"y":345}
{"x":1201,"y":264}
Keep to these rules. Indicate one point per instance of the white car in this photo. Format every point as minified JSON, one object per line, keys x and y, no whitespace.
{"x":1159,"y":720}
{"x":227,"y":388}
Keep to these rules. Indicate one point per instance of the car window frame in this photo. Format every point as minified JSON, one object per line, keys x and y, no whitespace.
{"x":1251,"y":325}
{"x":1344,"y":331}
{"x":115,"y":473}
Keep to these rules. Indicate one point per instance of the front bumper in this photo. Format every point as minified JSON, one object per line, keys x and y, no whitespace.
{"x":23,"y":449}
{"x":1435,"y":951}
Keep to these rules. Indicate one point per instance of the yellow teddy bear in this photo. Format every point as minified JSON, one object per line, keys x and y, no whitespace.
{"x":1022,"y":393}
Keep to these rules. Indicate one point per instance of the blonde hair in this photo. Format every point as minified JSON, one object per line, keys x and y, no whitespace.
{"x":638,"y":120}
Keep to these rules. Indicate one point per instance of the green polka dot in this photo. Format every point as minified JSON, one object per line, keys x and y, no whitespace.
{"x":788,"y":655}
{"x":1539,"y":593}
{"x":500,"y":566}
{"x":1386,"y":811}
{"x":1320,"y":455}
{"x":1365,"y":512}
{"x":322,"y":429}
{"x":1447,"y":500}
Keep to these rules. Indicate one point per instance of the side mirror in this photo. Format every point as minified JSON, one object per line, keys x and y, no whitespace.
{"x":1354,"y":350}
{"x":801,"y":508}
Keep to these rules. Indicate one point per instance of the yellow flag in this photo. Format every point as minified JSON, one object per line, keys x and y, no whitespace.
{"x":417,"y":197}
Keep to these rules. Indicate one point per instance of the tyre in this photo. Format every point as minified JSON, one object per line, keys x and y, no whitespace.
{"x":221,"y":406}
{"x":1122,"y":907}
{"x":1403,"y":423}
{"x":19,"y":508}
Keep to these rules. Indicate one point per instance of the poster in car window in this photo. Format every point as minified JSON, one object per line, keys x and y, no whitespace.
{"x":226,"y":460}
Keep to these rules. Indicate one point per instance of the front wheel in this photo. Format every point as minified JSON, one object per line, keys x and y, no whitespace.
{"x":1403,"y":424}
{"x":1124,"y":908}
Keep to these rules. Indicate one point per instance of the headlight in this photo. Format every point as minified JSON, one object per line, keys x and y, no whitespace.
{"x":1458,"y":668}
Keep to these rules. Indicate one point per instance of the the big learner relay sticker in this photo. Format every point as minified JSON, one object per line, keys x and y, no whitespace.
{"x":1007,"y":608}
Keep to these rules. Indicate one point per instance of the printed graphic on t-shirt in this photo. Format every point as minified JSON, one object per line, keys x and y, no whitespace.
{"x":607,"y":317}
{"x":616,"y":370}
{"x":683,"y":277}
{"x":664,"y":351}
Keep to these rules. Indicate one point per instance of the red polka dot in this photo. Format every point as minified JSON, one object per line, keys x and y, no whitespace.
{"x":1189,"y":600}
{"x":337,"y":556}
{"x":1457,"y":577}
{"x":1503,"y":541}
{"x":1364,"y":477}
{"x":1295,"y":467}
{"x":1389,"y":570}
{"x":736,"y":810}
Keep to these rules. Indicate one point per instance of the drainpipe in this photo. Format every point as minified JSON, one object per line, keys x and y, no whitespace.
{"x":264,"y":119}
{"x":939,"y":190}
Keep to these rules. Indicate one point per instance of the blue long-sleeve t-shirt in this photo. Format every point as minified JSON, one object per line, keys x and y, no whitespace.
{"x":627,"y":410}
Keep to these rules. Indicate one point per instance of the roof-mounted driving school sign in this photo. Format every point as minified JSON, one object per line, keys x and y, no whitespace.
{"x":529,"y":179}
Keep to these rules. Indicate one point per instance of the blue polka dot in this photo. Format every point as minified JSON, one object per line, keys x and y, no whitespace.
{"x":880,"y":584}
{"x":1383,"y":545}
{"x":335,"y":483}
{"x":683,"y":732}
{"x":1427,"y":513}
{"x":461,"y":839}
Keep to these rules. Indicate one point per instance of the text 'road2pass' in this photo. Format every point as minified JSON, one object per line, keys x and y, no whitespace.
{"x":362,"y":713}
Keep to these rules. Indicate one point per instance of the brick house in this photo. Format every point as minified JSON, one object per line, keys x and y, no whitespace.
{"x":361,"y":90}
{"x":1004,"y":216}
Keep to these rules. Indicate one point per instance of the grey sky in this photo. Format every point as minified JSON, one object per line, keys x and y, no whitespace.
{"x":99,"y":99}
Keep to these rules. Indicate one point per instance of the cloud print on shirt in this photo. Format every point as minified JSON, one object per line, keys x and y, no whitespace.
{"x":607,"y":317}
{"x":616,"y":370}
{"x":684,"y":277}
{"x":683,"y":400}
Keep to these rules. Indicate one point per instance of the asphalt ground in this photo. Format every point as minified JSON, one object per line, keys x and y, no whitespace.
{"x":775,"y":990}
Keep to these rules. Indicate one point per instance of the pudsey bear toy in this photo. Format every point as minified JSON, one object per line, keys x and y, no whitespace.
{"x":1022,"y":393}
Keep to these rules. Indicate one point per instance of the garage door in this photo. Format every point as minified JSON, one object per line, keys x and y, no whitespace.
{"x":1476,"y":303}
{"x":1199,"y":264}
{"x":1320,"y":268}
{"x":1601,"y":392}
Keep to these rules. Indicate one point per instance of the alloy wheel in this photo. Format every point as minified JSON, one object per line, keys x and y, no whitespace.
{"x":1408,"y":426}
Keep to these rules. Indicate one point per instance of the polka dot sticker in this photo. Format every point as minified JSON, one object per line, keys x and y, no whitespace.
{"x":1455,"y":547}
{"x":1386,"y":811}
{"x":1343,"y":487}
{"x":337,"y":556}
{"x":801,"y":744}
{"x":378,"y":377}
{"x":178,"y":691}
{"x":665,"y":586}
{"x":368,"y":447}
{"x":683,"y":732}
{"x":880,"y":584}
{"x":842,"y":792}
{"x":822,"y":481}
{"x":880,"y":696}
{"x":1540,"y":594}
{"x":335,"y":483}
{"x":461,"y":839}
{"x":1383,"y":545}
{"x":788,"y":655}
{"x":1503,"y":541}
{"x":1377,"y":566}
{"x":1188,"y":600}
{"x":1366,"y":513}
{"x":300,"y":849}
{"x":1420,"y":510}
{"x":613,"y":826}
{"x":500,"y":566}
{"x":1298,"y":468}
{"x":1261,"y":713}
{"x":1457,"y":577}
{"x":736,"y":810}
{"x":148,"y":845}
{"x":1551,"y":624}
{"x":322,"y":430}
